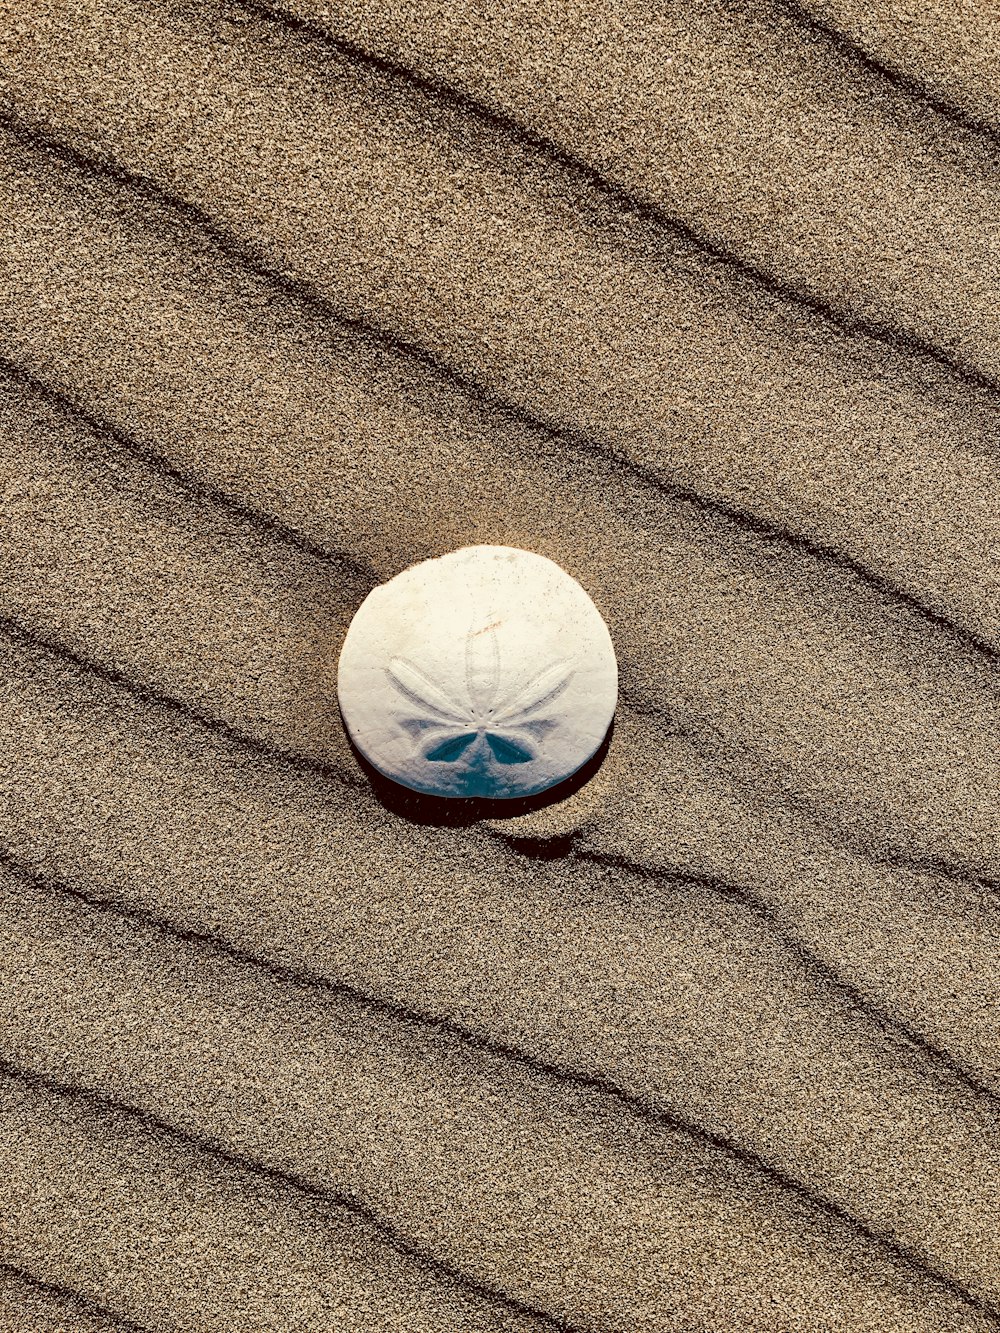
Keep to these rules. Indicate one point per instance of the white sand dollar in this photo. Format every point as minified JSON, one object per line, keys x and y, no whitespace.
{"x":488,"y":672}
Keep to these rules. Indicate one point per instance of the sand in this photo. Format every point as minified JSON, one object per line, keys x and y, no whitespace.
{"x":292,"y":300}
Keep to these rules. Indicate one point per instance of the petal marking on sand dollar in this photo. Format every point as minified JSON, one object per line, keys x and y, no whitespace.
{"x":509,"y":735}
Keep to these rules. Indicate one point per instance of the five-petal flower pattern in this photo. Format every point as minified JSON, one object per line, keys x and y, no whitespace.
{"x":478,"y":725}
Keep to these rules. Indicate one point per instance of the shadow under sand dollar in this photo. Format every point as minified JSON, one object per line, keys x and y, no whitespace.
{"x":462,"y":812}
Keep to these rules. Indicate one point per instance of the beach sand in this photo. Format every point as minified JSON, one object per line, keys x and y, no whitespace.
{"x":702,"y":305}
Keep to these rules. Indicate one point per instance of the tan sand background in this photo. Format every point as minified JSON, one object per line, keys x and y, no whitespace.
{"x":699,"y":300}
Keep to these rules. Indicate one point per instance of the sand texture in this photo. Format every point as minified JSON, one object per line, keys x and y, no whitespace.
{"x":699,"y":301}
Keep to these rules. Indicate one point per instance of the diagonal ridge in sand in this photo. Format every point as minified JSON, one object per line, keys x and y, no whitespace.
{"x":917,"y":85}
{"x":28,"y":1304}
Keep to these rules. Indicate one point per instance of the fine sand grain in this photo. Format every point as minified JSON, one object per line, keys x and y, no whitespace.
{"x":700,"y":302}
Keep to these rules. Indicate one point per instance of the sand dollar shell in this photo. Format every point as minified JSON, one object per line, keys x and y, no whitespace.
{"x":488,"y":672}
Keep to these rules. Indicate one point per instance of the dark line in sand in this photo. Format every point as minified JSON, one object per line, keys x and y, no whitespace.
{"x":120,"y":680}
{"x":70,"y":1296}
{"x":103,"y":431}
{"x":821,"y":971}
{"x":156,"y":1128}
{"x":933,"y":866}
{"x":852,"y":50}
{"x":455,"y":98}
{"x":839,"y":835}
{"x":631,"y":1103}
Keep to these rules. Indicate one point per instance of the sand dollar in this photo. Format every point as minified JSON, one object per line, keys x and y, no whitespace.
{"x":488,"y":672}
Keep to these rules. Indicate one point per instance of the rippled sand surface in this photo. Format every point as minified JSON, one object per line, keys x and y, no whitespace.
{"x":700,"y":301}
